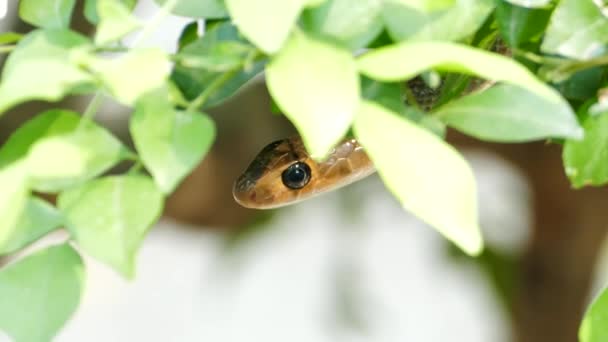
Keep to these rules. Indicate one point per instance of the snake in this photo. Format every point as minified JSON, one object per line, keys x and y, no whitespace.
{"x":283,"y":173}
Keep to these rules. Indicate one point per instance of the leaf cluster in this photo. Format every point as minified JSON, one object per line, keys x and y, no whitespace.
{"x":331,"y":66}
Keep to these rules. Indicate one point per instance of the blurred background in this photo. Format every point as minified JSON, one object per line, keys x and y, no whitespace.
{"x":347,"y":266}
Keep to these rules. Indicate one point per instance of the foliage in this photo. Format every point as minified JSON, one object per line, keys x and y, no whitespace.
{"x":316,"y":73}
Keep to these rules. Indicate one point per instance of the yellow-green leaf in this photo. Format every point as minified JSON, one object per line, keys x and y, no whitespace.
{"x":266,"y":23}
{"x":133,"y":74}
{"x":317,"y":85}
{"x":405,"y":60}
{"x":428,"y":176}
{"x":110,"y":216}
{"x":40,"y":293}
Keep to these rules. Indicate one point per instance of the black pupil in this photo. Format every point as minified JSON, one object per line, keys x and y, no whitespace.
{"x":296,"y":176}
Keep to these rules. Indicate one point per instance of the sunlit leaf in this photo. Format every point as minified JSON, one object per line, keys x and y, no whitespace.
{"x":317,"y":85}
{"x":406,"y":60}
{"x":61,"y":161}
{"x":14,"y":184}
{"x":115,"y":21}
{"x":38,"y":218}
{"x":266,"y":23}
{"x":134,"y":73}
{"x":53,"y":73}
{"x":59,"y":150}
{"x":405,"y":22}
{"x":90,"y":8}
{"x":354,"y":23}
{"x":171,"y":143}
{"x":110,"y":216}
{"x":577,"y":29}
{"x":427,"y":175}
{"x":507,"y":113}
{"x":50,"y":14}
{"x":198,"y":8}
{"x":40,"y":293}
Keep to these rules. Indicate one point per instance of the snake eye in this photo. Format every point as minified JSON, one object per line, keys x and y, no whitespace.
{"x":296,"y":176}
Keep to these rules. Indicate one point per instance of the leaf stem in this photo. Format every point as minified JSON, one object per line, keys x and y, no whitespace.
{"x":577,"y":66}
{"x":200,"y":100}
{"x":164,"y":11}
{"x":536,"y":58}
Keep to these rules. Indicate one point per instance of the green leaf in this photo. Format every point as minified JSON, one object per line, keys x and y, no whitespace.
{"x":577,"y":29}
{"x":59,"y":162}
{"x":171,"y":143}
{"x":110,"y":216}
{"x":594,"y":327}
{"x":49,"y":14}
{"x":220,"y":57}
{"x":317,"y":85}
{"x":405,"y":60}
{"x":53,"y":72}
{"x":407,"y":23}
{"x":519,"y":25}
{"x":133,"y":74}
{"x":90,"y":9}
{"x":13,"y":182}
{"x":192,"y":81}
{"x":428,"y":176}
{"x":38,"y":219}
{"x":116,"y":21}
{"x":10,"y":37}
{"x":266,"y":23}
{"x":40,"y":293}
{"x":46,"y":124}
{"x":354,"y":23}
{"x":583,"y":84}
{"x":60,"y":151}
{"x":388,"y":95}
{"x":208,"y":9}
{"x":585,"y":160}
{"x":507,"y":113}
{"x":188,"y":35}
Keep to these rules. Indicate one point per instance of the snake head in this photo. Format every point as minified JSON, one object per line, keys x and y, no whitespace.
{"x":283,"y":173}
{"x":278,"y":176}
